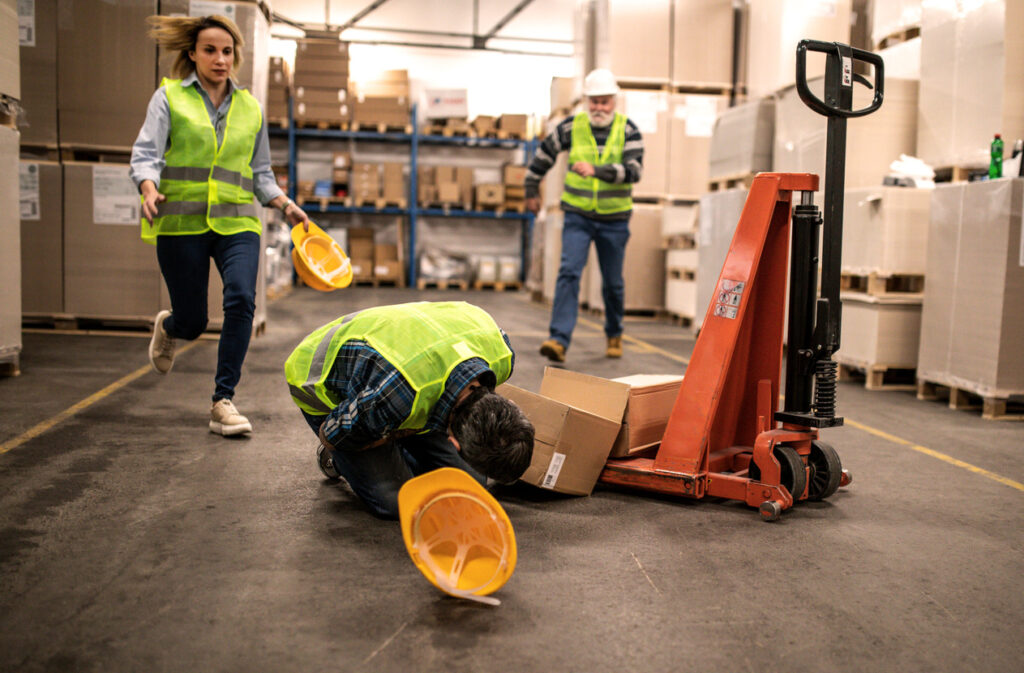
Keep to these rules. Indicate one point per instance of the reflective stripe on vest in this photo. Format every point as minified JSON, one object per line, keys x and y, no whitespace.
{"x":422,"y":340}
{"x":591,"y":194}
{"x":207,"y":186}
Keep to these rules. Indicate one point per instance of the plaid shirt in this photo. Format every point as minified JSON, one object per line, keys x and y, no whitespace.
{"x":376,"y":398}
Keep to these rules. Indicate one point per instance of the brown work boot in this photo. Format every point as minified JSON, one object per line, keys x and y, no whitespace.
{"x":553,"y":350}
{"x":614,"y":349}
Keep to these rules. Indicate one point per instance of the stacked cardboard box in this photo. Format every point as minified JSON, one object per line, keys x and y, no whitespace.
{"x":393,"y":190}
{"x":42,"y":237}
{"x":513,"y":177}
{"x":701,"y":43}
{"x":388,"y":84}
{"x":742,"y":139}
{"x":361,"y":252}
{"x":10,"y":234}
{"x":691,"y":123}
{"x":639,"y":40}
{"x":383,"y":101}
{"x":426,"y":187}
{"x":514,"y":126}
{"x":38,"y":73}
{"x":321,"y":82}
{"x":489,"y":196}
{"x":485,"y":126}
{"x":364,"y":184}
{"x":454,"y":185}
{"x":386,"y":265}
{"x":341,"y":169}
{"x":278,"y":89}
{"x":678,"y":230}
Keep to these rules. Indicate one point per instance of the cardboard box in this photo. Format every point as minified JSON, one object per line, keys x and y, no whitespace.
{"x":679,"y":218}
{"x":335,"y":79}
{"x":485,"y":125}
{"x":702,"y":43}
{"x":42,"y":237}
{"x":39,"y":74}
{"x":487,"y":270}
{"x":389,"y":84}
{"x":112,"y":34}
{"x":10,"y":58}
{"x":490,"y":195}
{"x":880,"y":330}
{"x":691,"y":123}
{"x":650,"y":403}
{"x":317,"y":96}
{"x":360,"y":243}
{"x":509,"y":269}
{"x":449,"y":192}
{"x":426,"y":193}
{"x":362,"y":268}
{"x":576,"y":419}
{"x":444,"y":103}
{"x":384,"y":253}
{"x":649,"y":110}
{"x":639,"y":35}
{"x":513,"y":174}
{"x":680,"y":294}
{"x":971,"y":322}
{"x":330,"y":112}
{"x":10,"y":251}
{"x":312,"y":65}
{"x":388,"y":270}
{"x":514,"y":124}
{"x":325,"y":49}
{"x":101,"y":223}
{"x":972,"y":64}
{"x":389,"y":110}
{"x":742,"y":139}
{"x":885,"y":230}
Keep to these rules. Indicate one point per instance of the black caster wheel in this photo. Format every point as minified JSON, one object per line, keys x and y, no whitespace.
{"x":793,"y":476}
{"x":826,"y":471}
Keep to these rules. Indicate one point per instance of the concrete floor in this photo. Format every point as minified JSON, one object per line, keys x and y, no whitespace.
{"x":131,"y":539}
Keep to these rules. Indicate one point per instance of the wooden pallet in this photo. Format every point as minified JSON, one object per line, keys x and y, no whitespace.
{"x":381,"y":127}
{"x":679,"y":319}
{"x":685,"y":241}
{"x":497,"y":286}
{"x":992,"y":408}
{"x":502,"y":134}
{"x":878,"y":376}
{"x":442,"y":284}
{"x":383,"y":203}
{"x":959,"y":173}
{"x":323,"y":124}
{"x":50,"y":152}
{"x":277,"y":122}
{"x":441,"y":130}
{"x":102,"y":154}
{"x":496,"y":208}
{"x":322,"y":202}
{"x":899,"y":37}
{"x":730,"y":181}
{"x":877,"y":286}
{"x":515,"y":206}
{"x":681,"y":274}
{"x":703,"y":88}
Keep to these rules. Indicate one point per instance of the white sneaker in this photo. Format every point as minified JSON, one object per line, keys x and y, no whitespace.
{"x":225,"y":419}
{"x":161,"y":346}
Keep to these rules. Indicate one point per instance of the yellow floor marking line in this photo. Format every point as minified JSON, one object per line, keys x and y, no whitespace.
{"x":40,"y":428}
{"x":1006,"y":481}
{"x":651,"y":348}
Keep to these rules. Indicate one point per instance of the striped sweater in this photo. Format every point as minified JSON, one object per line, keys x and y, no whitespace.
{"x":560,"y":140}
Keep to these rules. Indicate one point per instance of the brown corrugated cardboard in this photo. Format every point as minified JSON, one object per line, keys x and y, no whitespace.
{"x":513,"y":174}
{"x":971,"y":320}
{"x":651,"y":398}
{"x":576,"y":418}
{"x":10,"y":255}
{"x":691,"y":120}
{"x":490,"y":195}
{"x":390,"y":110}
{"x":880,"y":330}
{"x":972,"y":64}
{"x":360,"y":243}
{"x":101,"y":223}
{"x":485,"y":125}
{"x":885,"y":230}
{"x":10,"y":58}
{"x":702,"y":42}
{"x":42,"y":237}
{"x":449,"y":192}
{"x":464,"y":177}
{"x":317,"y":96}
{"x":114,"y":35}
{"x":516,"y":124}
{"x":362,"y":268}
{"x":639,"y":39}
{"x":39,"y":76}
{"x":742,"y":139}
{"x":332,"y":113}
{"x":330,"y":49}
{"x":337,"y":79}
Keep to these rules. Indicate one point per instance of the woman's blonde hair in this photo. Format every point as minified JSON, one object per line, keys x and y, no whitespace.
{"x":179,"y":33}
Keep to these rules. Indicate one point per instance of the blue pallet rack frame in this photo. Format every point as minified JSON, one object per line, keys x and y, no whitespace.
{"x":414,"y":140}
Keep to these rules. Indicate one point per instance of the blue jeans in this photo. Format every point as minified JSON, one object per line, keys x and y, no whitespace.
{"x":377,"y":474}
{"x":609,"y":239}
{"x":185,"y":265}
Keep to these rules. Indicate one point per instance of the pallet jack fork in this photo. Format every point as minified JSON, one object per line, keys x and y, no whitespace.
{"x":726,"y":437}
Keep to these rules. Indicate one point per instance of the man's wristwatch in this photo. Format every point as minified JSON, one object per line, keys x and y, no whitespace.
{"x":284,"y":206}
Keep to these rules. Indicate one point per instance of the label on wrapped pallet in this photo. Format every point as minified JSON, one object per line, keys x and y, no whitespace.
{"x":27,"y":23}
{"x":114,"y":197}
{"x":208,"y":7}
{"x":554,"y":467}
{"x":28,"y":191}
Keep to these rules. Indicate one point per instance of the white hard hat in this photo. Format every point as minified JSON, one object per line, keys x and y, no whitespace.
{"x":600,"y":82}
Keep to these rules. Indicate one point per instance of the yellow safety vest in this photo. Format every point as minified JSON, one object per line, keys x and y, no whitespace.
{"x":207,"y":187}
{"x":422,"y":340}
{"x":591,"y":194}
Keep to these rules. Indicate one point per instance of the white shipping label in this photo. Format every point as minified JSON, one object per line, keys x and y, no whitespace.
{"x":642,"y":108}
{"x":28,"y":189}
{"x":207,"y":7}
{"x":114,"y":197}
{"x":700,"y":116}
{"x":27,"y":23}
{"x":554,"y":467}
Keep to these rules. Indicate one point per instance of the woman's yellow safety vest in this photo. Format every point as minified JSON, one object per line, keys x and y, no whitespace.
{"x":422,"y":340}
{"x":591,"y":194}
{"x":207,"y":187}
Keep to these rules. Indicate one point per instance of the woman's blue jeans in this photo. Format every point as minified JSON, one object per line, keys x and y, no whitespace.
{"x":609,"y":239}
{"x":376,"y":475}
{"x":185,"y":265}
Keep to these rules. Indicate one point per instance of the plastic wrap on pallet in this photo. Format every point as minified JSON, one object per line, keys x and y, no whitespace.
{"x":971,"y":322}
{"x":885,"y":230}
{"x":439,"y":264}
{"x":893,"y":16}
{"x":903,"y":60}
{"x":741,"y":141}
{"x":719,"y":214}
{"x":10,"y":251}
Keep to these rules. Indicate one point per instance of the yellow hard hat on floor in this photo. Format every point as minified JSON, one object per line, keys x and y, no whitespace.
{"x":319,"y":260}
{"x":457,"y":534}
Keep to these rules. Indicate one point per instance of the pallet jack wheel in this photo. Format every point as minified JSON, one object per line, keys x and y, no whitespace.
{"x":826,"y":471}
{"x":793,"y":475}
{"x":770,"y":510}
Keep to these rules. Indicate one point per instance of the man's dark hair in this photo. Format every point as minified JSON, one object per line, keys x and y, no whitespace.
{"x":494,"y":435}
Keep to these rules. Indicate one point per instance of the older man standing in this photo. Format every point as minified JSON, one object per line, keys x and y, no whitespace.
{"x":605,"y":159}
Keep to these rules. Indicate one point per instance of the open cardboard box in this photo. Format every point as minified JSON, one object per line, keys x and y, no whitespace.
{"x":577,"y":418}
{"x":651,"y":399}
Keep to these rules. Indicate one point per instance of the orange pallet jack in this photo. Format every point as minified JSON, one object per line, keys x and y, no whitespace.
{"x":726,"y":437}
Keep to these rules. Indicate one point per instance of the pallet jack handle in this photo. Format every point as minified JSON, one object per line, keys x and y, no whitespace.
{"x":814,"y":322}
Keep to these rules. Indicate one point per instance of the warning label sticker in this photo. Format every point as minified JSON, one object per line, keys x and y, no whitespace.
{"x":728,"y":298}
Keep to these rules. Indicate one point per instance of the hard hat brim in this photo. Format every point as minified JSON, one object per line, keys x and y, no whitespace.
{"x":311,"y":250}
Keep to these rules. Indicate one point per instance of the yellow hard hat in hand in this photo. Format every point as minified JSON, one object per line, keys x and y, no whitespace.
{"x":319,"y":260}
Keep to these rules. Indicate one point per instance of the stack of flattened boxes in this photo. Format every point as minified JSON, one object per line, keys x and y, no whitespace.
{"x":383,"y":102}
{"x":10,"y":230}
{"x":321,"y":82}
{"x":364,"y":184}
{"x":278,"y":89}
{"x":513,"y":177}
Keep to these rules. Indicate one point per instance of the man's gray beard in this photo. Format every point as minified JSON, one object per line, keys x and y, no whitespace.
{"x":600,"y":123}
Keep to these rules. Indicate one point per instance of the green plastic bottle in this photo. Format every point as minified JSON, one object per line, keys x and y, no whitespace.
{"x":995,"y":163}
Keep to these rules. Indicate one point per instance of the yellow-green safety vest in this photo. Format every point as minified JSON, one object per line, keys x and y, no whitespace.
{"x":591,"y":194}
{"x":422,"y":340}
{"x":207,"y":187}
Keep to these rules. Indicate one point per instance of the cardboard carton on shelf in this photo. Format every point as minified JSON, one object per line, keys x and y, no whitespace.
{"x":321,"y":95}
{"x":490,"y":195}
{"x":513,"y":174}
{"x":38,"y":73}
{"x":449,"y":192}
{"x":360,"y":243}
{"x":515,"y":125}
{"x":484,"y":125}
{"x":330,"y":113}
{"x":334,"y":79}
{"x":576,"y":418}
